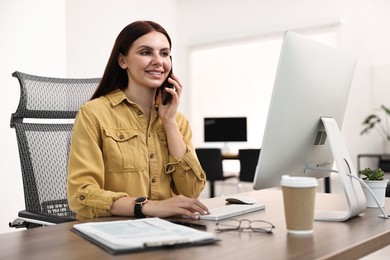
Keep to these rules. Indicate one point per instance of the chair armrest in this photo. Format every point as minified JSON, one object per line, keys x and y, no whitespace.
{"x":26,"y":218}
{"x":54,"y":219}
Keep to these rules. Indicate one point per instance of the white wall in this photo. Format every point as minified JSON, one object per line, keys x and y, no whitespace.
{"x":33,"y":41}
{"x":92,"y":27}
{"x":74,"y":38}
{"x":364,"y":26}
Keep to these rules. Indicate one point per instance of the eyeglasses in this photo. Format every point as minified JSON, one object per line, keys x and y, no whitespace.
{"x":260,"y":226}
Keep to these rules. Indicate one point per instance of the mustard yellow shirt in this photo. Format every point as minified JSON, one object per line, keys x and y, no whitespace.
{"x":115,"y":153}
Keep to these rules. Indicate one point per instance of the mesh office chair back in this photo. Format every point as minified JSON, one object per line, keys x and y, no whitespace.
{"x":44,"y":144}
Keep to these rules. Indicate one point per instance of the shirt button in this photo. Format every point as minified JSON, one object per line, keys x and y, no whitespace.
{"x":154,"y":180}
{"x":121,"y":136}
{"x":202,"y":175}
{"x":151,"y":155}
{"x":139,"y":113}
{"x":169,"y":168}
{"x":82,"y":197}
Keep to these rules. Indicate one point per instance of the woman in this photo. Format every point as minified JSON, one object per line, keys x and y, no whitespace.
{"x":130,"y":154}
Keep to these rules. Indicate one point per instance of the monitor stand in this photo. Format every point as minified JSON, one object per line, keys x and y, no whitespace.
{"x":226,"y":148}
{"x":356,"y":201}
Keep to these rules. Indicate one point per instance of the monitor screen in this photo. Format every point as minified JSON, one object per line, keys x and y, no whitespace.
{"x":312,"y":81}
{"x":225,"y":129}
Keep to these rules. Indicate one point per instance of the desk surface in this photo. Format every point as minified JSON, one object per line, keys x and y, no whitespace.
{"x":339,"y":240}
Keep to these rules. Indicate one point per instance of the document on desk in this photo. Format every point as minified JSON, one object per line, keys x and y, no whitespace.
{"x":141,"y":234}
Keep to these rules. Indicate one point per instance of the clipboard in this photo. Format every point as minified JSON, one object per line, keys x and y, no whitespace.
{"x":126,"y":236}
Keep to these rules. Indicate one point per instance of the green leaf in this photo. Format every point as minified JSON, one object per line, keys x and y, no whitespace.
{"x":387,"y":110}
{"x":373,"y":175}
{"x":373,"y":120}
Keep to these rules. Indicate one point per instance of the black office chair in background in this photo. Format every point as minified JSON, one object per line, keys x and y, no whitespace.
{"x":211,"y":161}
{"x":50,"y":105}
{"x":248,"y":161}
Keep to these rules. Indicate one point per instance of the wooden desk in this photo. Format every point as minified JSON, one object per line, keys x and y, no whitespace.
{"x":337,"y":240}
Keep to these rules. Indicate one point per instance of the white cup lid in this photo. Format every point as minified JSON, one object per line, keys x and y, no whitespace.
{"x":298,"y":182}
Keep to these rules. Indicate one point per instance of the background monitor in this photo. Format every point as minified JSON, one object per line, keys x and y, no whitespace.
{"x":225,"y":129}
{"x":312,"y":81}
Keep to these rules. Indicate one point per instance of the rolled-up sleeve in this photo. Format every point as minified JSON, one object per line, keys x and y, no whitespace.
{"x":187,"y":173}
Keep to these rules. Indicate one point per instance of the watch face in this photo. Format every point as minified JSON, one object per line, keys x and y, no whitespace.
{"x":140,"y":200}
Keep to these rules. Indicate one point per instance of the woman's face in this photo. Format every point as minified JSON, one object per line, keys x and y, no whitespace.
{"x":148,"y":61}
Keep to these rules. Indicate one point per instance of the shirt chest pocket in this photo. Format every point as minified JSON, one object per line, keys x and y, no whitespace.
{"x":122,"y":150}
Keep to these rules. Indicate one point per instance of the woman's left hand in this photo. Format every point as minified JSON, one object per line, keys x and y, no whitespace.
{"x":167,"y":114}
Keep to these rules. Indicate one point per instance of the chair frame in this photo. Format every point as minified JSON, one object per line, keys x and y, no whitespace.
{"x":53,"y":103}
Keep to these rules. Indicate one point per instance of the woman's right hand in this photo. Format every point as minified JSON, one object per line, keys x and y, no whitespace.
{"x":178,"y":205}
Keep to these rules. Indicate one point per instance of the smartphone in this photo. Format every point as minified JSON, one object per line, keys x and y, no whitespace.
{"x":166,"y":97}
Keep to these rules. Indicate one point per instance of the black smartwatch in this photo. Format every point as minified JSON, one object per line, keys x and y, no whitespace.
{"x":138,"y":203}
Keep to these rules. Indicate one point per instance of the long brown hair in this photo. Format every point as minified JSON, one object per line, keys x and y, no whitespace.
{"x":114,"y":76}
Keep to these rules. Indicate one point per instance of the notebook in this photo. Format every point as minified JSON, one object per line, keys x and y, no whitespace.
{"x":231,"y":210}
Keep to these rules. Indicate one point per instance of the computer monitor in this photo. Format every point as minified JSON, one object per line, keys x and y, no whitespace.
{"x":225,"y":129}
{"x":308,"y":103}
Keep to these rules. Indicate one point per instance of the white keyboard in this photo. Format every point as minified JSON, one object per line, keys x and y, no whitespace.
{"x":231,"y":210}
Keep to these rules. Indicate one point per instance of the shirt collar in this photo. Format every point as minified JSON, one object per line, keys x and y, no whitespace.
{"x":117,"y":96}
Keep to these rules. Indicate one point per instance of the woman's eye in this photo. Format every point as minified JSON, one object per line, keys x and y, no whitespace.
{"x":144,"y":52}
{"x":165,"y":54}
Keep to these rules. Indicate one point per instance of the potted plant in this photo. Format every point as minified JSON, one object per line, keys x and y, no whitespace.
{"x":381,"y":125}
{"x":376,"y":182}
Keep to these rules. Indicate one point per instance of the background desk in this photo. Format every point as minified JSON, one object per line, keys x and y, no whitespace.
{"x":234,"y":156}
{"x":338,"y":240}
{"x":230,"y":156}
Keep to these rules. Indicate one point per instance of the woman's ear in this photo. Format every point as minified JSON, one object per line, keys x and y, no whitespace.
{"x":121,"y":61}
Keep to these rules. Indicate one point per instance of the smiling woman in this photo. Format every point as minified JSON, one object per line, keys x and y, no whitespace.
{"x":131,"y":155}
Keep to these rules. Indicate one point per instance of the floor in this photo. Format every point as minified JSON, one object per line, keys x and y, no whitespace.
{"x":232,"y":186}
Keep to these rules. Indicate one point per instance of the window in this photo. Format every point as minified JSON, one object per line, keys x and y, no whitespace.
{"x":236,"y":80}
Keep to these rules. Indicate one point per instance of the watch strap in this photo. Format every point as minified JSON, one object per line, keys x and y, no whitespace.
{"x":138,"y":203}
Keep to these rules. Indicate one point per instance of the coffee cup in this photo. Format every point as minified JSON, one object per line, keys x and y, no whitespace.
{"x":299,"y":200}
